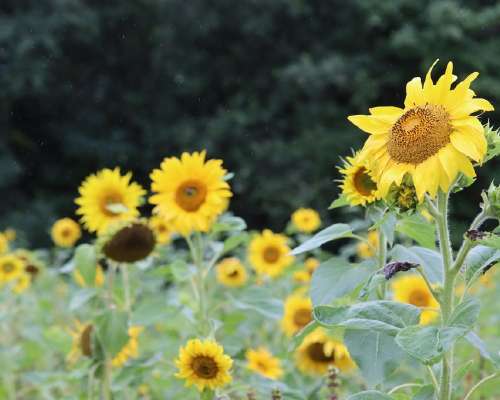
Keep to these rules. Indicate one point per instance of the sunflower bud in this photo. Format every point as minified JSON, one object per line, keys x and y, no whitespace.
{"x":403,"y":198}
{"x":493,"y":140}
{"x":393,"y":268}
{"x":491,"y":201}
{"x":276,"y":395}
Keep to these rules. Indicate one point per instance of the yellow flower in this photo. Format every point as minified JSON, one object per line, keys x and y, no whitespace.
{"x":368,"y":249}
{"x":130,"y":350}
{"x":306,"y":220}
{"x":230,"y":272}
{"x":82,"y":341}
{"x":204,"y":364}
{"x":433,"y":138}
{"x":10,"y":234}
{"x":297,"y":314}
{"x":4,"y":243}
{"x":412,"y":289}
{"x":32,"y":265}
{"x":161,"y":228}
{"x":269,"y":253}
{"x":358,"y":183}
{"x":22,"y":283}
{"x":305,"y":275}
{"x":318,"y":352}
{"x":66,"y":232}
{"x":11,"y":267}
{"x":98,"y":280}
{"x":108,"y":197}
{"x":264,"y":363}
{"x":190,"y":192}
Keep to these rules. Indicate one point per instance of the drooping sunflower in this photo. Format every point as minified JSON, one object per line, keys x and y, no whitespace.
{"x":130,"y":350}
{"x":412,"y":289}
{"x":98,"y":280}
{"x":305,"y":275}
{"x":432,"y":139}
{"x":161,"y":228}
{"x":318,"y":352}
{"x":65,"y":232}
{"x":269,"y":253}
{"x":264,"y":363}
{"x":369,"y":248}
{"x":4,"y":243}
{"x":297,"y":313}
{"x":358,"y":184}
{"x":204,"y":364}
{"x":82,"y":344}
{"x":108,"y":197}
{"x":11,"y":267}
{"x":306,"y":220}
{"x":190,"y":192}
{"x":231,"y":272}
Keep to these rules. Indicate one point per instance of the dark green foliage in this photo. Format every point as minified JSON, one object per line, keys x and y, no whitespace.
{"x":266,"y":85}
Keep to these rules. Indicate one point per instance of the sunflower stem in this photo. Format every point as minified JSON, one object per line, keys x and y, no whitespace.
{"x":106,"y":381}
{"x":126,"y":289}
{"x":382,"y":259}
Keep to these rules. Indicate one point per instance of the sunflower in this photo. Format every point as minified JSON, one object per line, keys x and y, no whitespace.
{"x":65,"y":232}
{"x":10,"y":234}
{"x":11,"y":267}
{"x":358,"y":183}
{"x":412,"y":289}
{"x":130,"y":350}
{"x":369,"y":248}
{"x":204,"y":364}
{"x":297,"y":314}
{"x":269,"y":253}
{"x":230,"y":272}
{"x":190,"y":192}
{"x":432,"y":139}
{"x":98,"y":280}
{"x":318,"y":352}
{"x":82,"y":341}
{"x":108,"y":197}
{"x":4,"y":243}
{"x":32,"y":265}
{"x":161,"y":228}
{"x":264,"y":363}
{"x":22,"y":283}
{"x":306,"y":220}
{"x":305,"y":275}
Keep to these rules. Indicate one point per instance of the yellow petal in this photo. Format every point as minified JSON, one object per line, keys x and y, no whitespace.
{"x":443,"y":84}
{"x":414,"y":95}
{"x":473,"y":129}
{"x":465,"y":141}
{"x":471,"y":106}
{"x":450,"y":164}
{"x":370,"y":124}
{"x":392,"y":174}
{"x":465,"y":165}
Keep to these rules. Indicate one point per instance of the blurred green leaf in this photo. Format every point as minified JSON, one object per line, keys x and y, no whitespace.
{"x":337,"y":231}
{"x":419,"y":229}
{"x":85,"y":261}
{"x":112,"y":331}
{"x":370,"y":395}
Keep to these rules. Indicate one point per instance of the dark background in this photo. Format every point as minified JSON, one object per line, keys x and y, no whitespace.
{"x":264,"y":84}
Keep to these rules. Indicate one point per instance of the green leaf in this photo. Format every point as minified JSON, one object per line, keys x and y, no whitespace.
{"x":387,"y":225}
{"x":299,"y":337}
{"x":478,"y":259}
{"x":370,"y":395}
{"x":425,"y":393}
{"x":480,"y":345}
{"x":229,"y":223}
{"x":81,"y":297}
{"x":419,"y":229}
{"x":337,"y":277}
{"x":233,"y":242}
{"x":341,"y":201}
{"x":259,"y":300}
{"x":430,"y":260}
{"x":492,"y":241}
{"x":336,"y":231}
{"x":112,"y":331}
{"x":181,"y":270}
{"x":459,"y":375}
{"x":380,"y":316}
{"x":85,"y":261}
{"x":466,"y":313}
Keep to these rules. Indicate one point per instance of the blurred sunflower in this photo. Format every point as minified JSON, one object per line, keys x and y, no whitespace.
{"x":369,"y":248}
{"x":305,"y":275}
{"x":98,"y":280}
{"x":4,"y":243}
{"x":318,"y":352}
{"x":297,"y":314}
{"x":161,"y":228}
{"x":230,"y":272}
{"x":82,"y":341}
{"x":264,"y":363}
{"x":204,"y":364}
{"x":65,"y":232}
{"x":306,"y":220}
{"x":358,"y":183}
{"x":190,"y":192}
{"x":22,"y":283}
{"x":130,"y":350}
{"x":433,"y":138}
{"x":10,"y":234}
{"x":412,"y":289}
{"x":107,"y":197}
{"x":269,"y":253}
{"x":32,"y":265}
{"x":11,"y":267}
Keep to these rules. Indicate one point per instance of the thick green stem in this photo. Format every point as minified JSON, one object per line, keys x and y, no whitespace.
{"x":126,"y":289}
{"x":196,"y":249}
{"x":106,"y":381}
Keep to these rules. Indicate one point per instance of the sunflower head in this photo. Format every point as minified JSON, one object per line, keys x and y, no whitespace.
{"x":432,"y":139}
{"x":269,"y":253}
{"x":297,"y":314}
{"x":32,"y":265}
{"x":22,"y":283}
{"x":204,"y":364}
{"x":306,"y":220}
{"x":264,"y":363}
{"x":82,"y":344}
{"x":131,"y":348}
{"x":161,"y":228}
{"x":190,"y":192}
{"x":108,"y":197}
{"x":358,"y":184}
{"x":11,"y":267}
{"x":231,"y":272}
{"x":65,"y":232}
{"x":368,"y":249}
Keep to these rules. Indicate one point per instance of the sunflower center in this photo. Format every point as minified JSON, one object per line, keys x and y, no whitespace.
{"x":419,"y":134}
{"x":419,"y":298}
{"x":317,"y":353}
{"x":271,"y":254}
{"x":66,"y":232}
{"x":302,"y":317}
{"x":262,"y":365}
{"x":112,"y":205}
{"x":205,"y":367}
{"x":233,"y":274}
{"x":85,"y":341}
{"x":191,"y":195}
{"x":130,"y":244}
{"x":363,"y":183}
{"x":8,"y":268}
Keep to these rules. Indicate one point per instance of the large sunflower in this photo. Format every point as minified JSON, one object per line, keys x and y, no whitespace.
{"x":433,"y":138}
{"x":204,"y":364}
{"x":264,"y":363}
{"x":108,"y":197}
{"x":297,"y":314}
{"x":11,"y":267}
{"x":65,"y":232}
{"x":358,"y":183}
{"x":231,"y":273}
{"x":190,"y":192}
{"x":269,"y":253}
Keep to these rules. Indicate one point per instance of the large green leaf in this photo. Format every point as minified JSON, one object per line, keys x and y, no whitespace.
{"x":492,"y":241}
{"x":483,"y":349}
{"x":419,"y":229}
{"x":333,"y":232}
{"x":478,"y":259}
{"x":81,"y":297}
{"x":466,"y":313}
{"x":112,"y":331}
{"x":85,"y":261}
{"x":259,"y":300}
{"x":425,"y":393}
{"x":370,"y":395}
{"x":430,"y":260}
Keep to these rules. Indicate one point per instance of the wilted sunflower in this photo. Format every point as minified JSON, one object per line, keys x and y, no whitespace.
{"x":264,"y":363}
{"x":433,"y":138}
{"x":4,"y":243}
{"x":130,"y":350}
{"x":297,"y":314}
{"x":269,"y":253}
{"x":318,"y":352}
{"x":190,"y":192}
{"x":230,"y":272}
{"x":305,"y":275}
{"x":82,"y":341}
{"x":358,"y":183}
{"x":161,"y":228}
{"x":98,"y":280}
{"x":65,"y":232}
{"x":306,"y":220}
{"x":369,"y":248}
{"x":108,"y":197}
{"x":204,"y":364}
{"x":412,"y":289}
{"x":11,"y":267}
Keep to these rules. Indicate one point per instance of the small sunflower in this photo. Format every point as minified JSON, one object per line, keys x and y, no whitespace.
{"x":412,"y":289}
{"x":297,"y":314}
{"x":204,"y":364}
{"x":65,"y":232}
{"x":432,"y":139}
{"x":358,"y":183}
{"x":368,"y":249}
{"x":4,"y":243}
{"x":306,"y":220}
{"x":11,"y":267}
{"x":32,"y":265}
{"x":161,"y":228}
{"x":318,"y":352}
{"x":305,"y":275}
{"x":269,"y":253}
{"x":82,"y":341}
{"x":130,"y":350}
{"x":10,"y":234}
{"x":190,"y":192}
{"x":230,"y":272}
{"x":108,"y":197}
{"x":264,"y":363}
{"x":98,"y":280}
{"x":22,"y":283}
